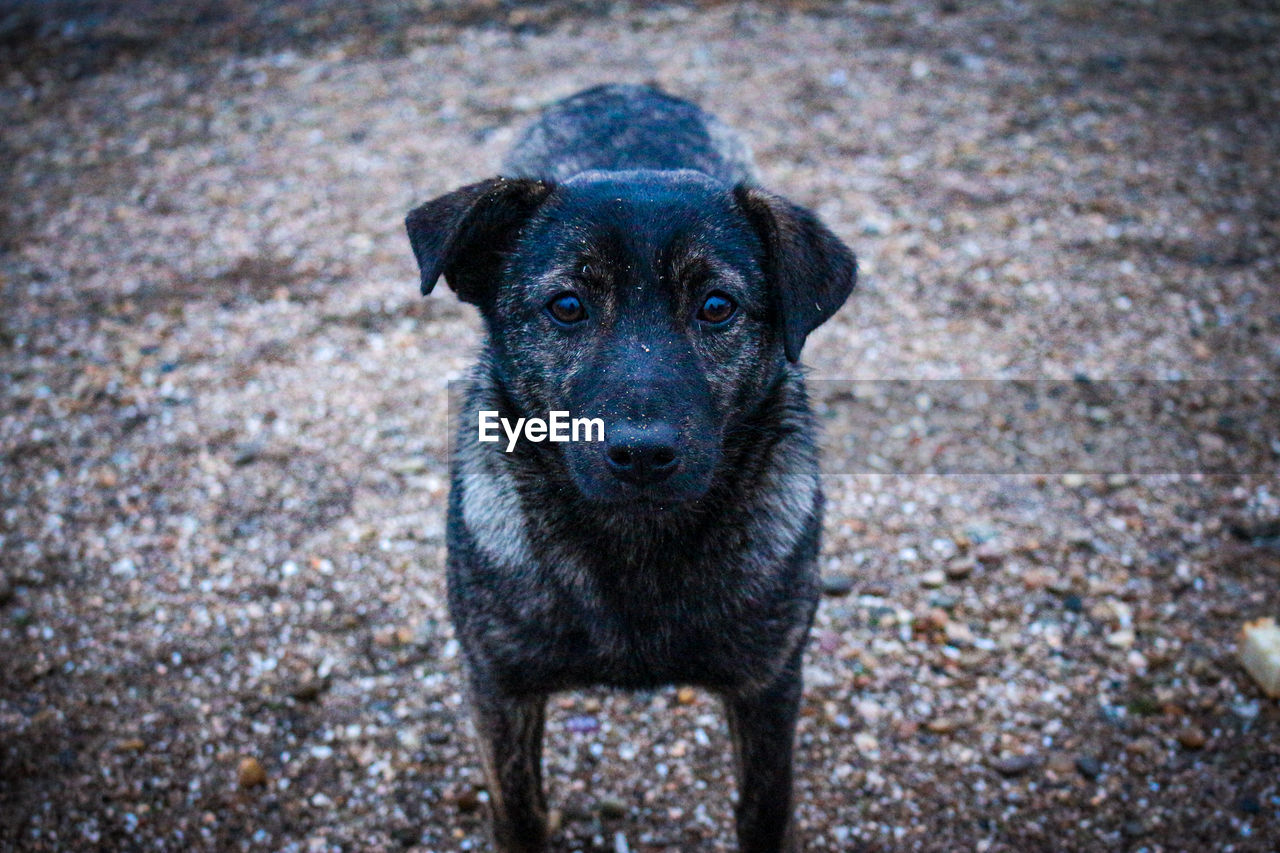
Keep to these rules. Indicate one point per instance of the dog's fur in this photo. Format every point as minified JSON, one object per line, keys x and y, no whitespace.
{"x":564,"y":569}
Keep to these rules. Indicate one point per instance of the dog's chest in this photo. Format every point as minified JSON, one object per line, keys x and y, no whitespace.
{"x":643,"y":632}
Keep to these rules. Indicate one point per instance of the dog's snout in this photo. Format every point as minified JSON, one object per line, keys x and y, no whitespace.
{"x":642,"y":455}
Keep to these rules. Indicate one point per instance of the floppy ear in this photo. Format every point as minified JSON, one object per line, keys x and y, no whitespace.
{"x":464,"y":234}
{"x":811,"y":272}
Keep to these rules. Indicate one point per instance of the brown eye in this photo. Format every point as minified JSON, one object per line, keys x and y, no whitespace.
{"x":717,"y":309}
{"x":567,"y":309}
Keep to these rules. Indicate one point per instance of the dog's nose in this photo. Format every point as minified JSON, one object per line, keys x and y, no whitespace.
{"x":642,"y":455}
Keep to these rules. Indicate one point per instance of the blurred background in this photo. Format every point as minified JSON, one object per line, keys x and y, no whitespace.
{"x":224,"y":420}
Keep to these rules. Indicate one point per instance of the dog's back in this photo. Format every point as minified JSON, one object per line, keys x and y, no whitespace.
{"x":628,"y":127}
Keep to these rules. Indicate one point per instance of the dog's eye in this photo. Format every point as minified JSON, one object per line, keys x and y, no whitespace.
{"x":717,"y":309}
{"x":567,"y":308}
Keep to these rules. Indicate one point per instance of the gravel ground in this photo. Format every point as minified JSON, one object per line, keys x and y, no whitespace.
{"x":224,"y":418}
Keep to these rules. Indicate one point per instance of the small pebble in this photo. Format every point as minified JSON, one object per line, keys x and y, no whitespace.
{"x":1121,"y":639}
{"x":611,"y":809}
{"x":1259,"y":650}
{"x":958,"y":633}
{"x":865,"y":742}
{"x":1192,"y":738}
{"x":1143,"y":746}
{"x":1014,"y":765}
{"x":933,"y":579}
{"x":990,"y":554}
{"x":309,"y":689}
{"x":468,"y":800}
{"x":1060,"y":764}
{"x":247,"y":453}
{"x":251,"y":773}
{"x":1088,"y":766}
{"x":837,"y":584}
{"x":582,"y":724}
{"x":1034,"y":579}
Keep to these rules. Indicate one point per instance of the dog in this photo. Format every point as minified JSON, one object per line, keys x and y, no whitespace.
{"x":628,"y":267}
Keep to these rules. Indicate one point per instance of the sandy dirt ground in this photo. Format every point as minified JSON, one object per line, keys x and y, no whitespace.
{"x":224,"y":406}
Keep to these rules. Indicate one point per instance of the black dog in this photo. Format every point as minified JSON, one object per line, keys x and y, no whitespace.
{"x":628,"y":269}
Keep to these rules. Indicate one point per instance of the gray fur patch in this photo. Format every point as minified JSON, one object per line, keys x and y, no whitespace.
{"x":787,"y":500}
{"x":490,"y":504}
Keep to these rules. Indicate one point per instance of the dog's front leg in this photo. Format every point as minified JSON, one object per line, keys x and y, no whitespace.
{"x":509,"y":731}
{"x":762,"y":726}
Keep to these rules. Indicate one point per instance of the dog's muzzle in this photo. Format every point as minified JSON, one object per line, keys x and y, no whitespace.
{"x":642,"y":456}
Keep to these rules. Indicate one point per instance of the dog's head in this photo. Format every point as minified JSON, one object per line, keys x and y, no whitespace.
{"x":664,"y":303}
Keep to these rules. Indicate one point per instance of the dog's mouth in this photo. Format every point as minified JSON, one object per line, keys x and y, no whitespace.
{"x":644,"y":511}
{"x":646,"y":504}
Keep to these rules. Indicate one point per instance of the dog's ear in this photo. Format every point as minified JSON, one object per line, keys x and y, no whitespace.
{"x":811,"y":272}
{"x":465,"y":234}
